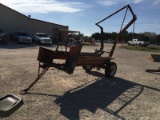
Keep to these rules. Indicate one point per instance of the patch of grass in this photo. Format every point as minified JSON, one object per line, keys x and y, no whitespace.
{"x":140,"y":48}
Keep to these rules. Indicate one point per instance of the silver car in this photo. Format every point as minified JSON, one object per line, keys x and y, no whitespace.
{"x":42,"y":38}
{"x":21,"y":37}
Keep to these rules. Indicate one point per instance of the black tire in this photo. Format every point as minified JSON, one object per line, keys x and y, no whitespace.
{"x":111,"y":69}
{"x":87,"y":68}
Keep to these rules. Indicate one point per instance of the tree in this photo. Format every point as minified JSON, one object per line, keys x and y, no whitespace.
{"x":78,"y":36}
{"x":85,"y":38}
{"x":123,"y":37}
{"x":96,"y":36}
{"x":152,"y":37}
{"x":158,"y":39}
{"x":113,"y":35}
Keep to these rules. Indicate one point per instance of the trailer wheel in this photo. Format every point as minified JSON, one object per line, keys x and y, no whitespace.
{"x":110,"y":69}
{"x":87,"y":68}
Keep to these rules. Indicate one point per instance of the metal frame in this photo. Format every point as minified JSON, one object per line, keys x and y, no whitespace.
{"x":95,"y":58}
{"x":121,"y":31}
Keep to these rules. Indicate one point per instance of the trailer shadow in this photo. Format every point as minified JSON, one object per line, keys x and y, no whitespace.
{"x":111,"y":95}
{"x":95,"y":73}
{"x":156,"y":73}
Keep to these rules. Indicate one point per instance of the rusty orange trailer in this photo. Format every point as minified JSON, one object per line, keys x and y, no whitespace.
{"x":74,"y":57}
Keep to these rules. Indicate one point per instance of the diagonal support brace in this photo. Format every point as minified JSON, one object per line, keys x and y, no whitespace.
{"x":35,"y":81}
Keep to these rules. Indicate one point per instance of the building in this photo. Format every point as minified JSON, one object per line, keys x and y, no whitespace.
{"x":13,"y":21}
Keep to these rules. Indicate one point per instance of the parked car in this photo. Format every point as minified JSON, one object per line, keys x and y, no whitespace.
{"x":98,"y":41}
{"x":137,"y":42}
{"x":3,"y":38}
{"x":21,"y":37}
{"x":41,"y":38}
{"x":109,"y":41}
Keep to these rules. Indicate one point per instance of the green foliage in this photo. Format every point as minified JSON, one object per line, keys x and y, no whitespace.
{"x":140,"y":48}
{"x":96,"y":36}
{"x":77,"y":36}
{"x":153,"y":38}
{"x":158,"y":39}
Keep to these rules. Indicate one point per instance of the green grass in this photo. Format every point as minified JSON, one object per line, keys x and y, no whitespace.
{"x":140,"y":48}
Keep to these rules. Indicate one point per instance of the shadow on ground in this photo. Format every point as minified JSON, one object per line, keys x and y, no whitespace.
{"x":102,"y":94}
{"x":109,"y":94}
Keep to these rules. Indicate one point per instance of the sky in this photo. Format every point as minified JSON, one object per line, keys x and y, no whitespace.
{"x":81,"y":15}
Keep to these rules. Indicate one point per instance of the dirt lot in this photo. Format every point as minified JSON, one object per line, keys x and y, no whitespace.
{"x":132,"y":94}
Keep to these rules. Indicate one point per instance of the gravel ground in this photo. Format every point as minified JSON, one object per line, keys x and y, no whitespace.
{"x":132,"y":94}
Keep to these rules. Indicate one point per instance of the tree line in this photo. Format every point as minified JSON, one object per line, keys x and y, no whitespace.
{"x":151,"y":37}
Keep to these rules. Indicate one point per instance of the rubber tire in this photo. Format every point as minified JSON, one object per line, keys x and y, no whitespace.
{"x":87,"y":68}
{"x":110,"y":69}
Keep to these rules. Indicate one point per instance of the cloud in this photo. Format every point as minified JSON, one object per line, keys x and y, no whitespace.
{"x":44,"y":6}
{"x":113,"y":2}
{"x":108,"y":2}
{"x":156,"y":2}
{"x":136,"y":1}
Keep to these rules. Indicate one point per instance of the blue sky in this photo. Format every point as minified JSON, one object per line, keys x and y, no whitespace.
{"x":81,"y":15}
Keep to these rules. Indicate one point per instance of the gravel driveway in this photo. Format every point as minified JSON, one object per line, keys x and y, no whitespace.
{"x":132,"y":94}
